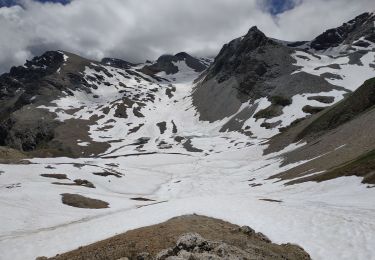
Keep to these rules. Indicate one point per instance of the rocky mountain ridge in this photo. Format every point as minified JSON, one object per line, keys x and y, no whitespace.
{"x":356,"y":32}
{"x":256,"y":86}
{"x":59,"y":74}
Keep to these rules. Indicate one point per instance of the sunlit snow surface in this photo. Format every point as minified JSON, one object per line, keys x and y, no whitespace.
{"x":346,"y":73}
{"x":331,"y":220}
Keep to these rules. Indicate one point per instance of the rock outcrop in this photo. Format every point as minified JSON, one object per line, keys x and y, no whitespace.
{"x":186,"y":237}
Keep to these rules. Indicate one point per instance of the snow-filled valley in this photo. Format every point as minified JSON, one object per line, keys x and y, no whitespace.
{"x":163,"y":162}
{"x":331,"y":220}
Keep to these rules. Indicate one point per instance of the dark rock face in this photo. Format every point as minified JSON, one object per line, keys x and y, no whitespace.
{"x":162,"y":127}
{"x":242,"y":55}
{"x":165,"y":63}
{"x":250,"y":68}
{"x":237,"y":74}
{"x":21,"y":84}
{"x":26,"y":129}
{"x":38,"y":67}
{"x":191,"y":62}
{"x":361,"y":26}
{"x":23,"y":125}
{"x":361,"y":44}
{"x":297,"y":44}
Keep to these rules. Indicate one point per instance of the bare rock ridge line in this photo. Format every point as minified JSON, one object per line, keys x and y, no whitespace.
{"x":188,"y":237}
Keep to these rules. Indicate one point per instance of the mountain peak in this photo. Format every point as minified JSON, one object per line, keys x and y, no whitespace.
{"x":177,"y":57}
{"x":167,"y":64}
{"x":183,"y":55}
{"x":253,"y":29}
{"x":255,"y":33}
{"x":234,"y":55}
{"x":39,"y":66}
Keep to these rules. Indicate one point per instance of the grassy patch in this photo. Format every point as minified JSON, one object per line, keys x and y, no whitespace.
{"x":363,"y":166}
{"x":357,"y":103}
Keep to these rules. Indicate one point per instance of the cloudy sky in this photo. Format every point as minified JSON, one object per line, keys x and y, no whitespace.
{"x":137,"y":30}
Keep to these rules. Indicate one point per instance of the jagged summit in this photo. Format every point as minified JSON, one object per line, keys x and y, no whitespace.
{"x":254,"y":29}
{"x":233,"y":56}
{"x":356,"y":31}
{"x":39,"y":66}
{"x":255,"y":38}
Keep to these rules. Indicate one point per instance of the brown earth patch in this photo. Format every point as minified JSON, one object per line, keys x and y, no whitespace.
{"x":142,"y":199}
{"x":11,"y":156}
{"x":72,"y":130}
{"x":107,"y":173}
{"x":79,"y":201}
{"x":312,"y":110}
{"x":269,"y":112}
{"x":272,"y":200}
{"x":322,"y":99}
{"x":55,"y":176}
{"x":78,"y":182}
{"x":153,"y":239}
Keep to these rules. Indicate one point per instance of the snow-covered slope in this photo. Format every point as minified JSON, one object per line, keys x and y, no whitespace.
{"x":168,"y":137}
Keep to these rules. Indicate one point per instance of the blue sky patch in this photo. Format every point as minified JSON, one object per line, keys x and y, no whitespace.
{"x":276,"y":7}
{"x":7,"y":3}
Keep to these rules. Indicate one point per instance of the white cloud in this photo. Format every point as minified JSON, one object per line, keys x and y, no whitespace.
{"x":138,"y":30}
{"x":312,"y":17}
